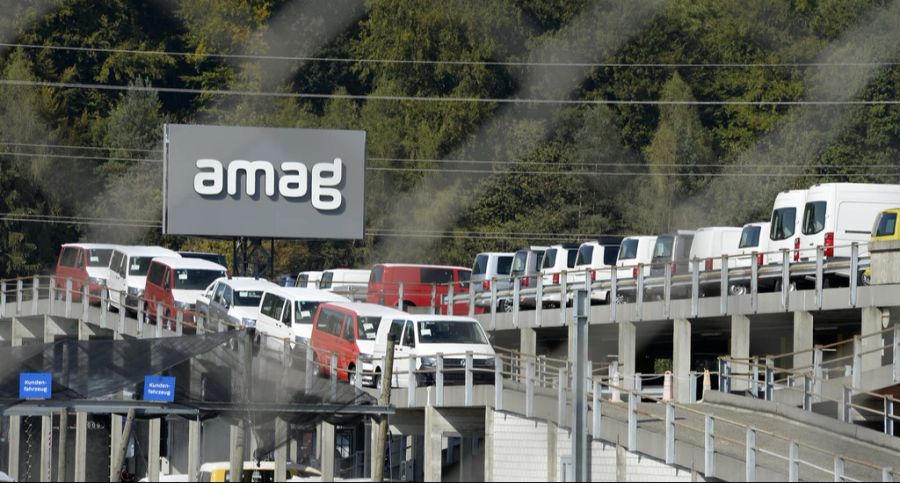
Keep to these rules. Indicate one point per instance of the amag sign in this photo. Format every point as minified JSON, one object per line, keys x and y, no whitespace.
{"x":264,"y":182}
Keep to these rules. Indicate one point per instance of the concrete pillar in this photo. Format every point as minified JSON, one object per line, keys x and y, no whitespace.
{"x":681,"y":360}
{"x":372,"y":430}
{"x":115,"y":438}
{"x":281,"y":430}
{"x":627,"y":353}
{"x":467,"y":458}
{"x":153,"y":450}
{"x":327,"y":458}
{"x":871,"y":323}
{"x":80,"y":447}
{"x":15,"y":432}
{"x":194,"y":444}
{"x":740,"y":349}
{"x":433,"y":445}
{"x":488,"y":444}
{"x":621,"y":463}
{"x":552,"y":453}
{"x":527,"y":341}
{"x":803,"y":339}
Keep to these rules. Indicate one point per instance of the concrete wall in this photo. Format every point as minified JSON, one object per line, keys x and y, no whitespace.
{"x":523,"y":448}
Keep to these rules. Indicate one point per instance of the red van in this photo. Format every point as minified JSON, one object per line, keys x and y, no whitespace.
{"x":418,"y":280}
{"x":86,"y":264}
{"x":348,"y":330}
{"x":176,"y":283}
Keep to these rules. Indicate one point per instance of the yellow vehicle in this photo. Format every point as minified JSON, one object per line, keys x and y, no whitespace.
{"x":253,"y":472}
{"x":886,"y":228}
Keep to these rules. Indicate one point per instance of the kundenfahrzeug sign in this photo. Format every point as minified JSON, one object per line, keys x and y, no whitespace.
{"x":35,"y":385}
{"x":264,"y":182}
{"x":159,"y":388}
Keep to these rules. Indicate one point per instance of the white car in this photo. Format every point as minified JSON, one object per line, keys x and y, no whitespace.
{"x":287,"y":313}
{"x":233,"y":302}
{"x":420,"y":338}
{"x":557,"y":259}
{"x":128,"y":267}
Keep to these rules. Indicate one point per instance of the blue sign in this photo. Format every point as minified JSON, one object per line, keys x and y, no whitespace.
{"x":35,"y":385}
{"x":159,"y":389}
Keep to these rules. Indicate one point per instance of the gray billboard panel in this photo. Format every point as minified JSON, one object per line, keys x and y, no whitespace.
{"x":264,"y":182}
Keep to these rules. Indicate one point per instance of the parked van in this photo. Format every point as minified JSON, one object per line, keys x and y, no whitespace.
{"x":86,"y":264}
{"x":557,"y":259}
{"x":838,"y":214}
{"x":423,"y":337}
{"x":287,"y":313}
{"x":753,"y":239}
{"x":598,"y":258}
{"x":233,"y":302}
{"x":348,"y":330}
{"x":210,"y":257}
{"x":635,"y":250}
{"x":488,"y":266}
{"x":418,"y":280}
{"x":527,"y":266}
{"x":352,"y":284}
{"x":128,"y":268}
{"x":787,"y":218}
{"x":710,"y":243}
{"x":672,"y":249}
{"x":308,"y":279}
{"x":176,"y":283}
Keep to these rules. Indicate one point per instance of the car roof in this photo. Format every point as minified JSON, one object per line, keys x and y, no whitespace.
{"x":418,"y":265}
{"x":188,"y":263}
{"x":566,"y":246}
{"x":92,"y":246}
{"x":139,"y":251}
{"x":347,"y":270}
{"x":498,"y":254}
{"x":366,"y":309}
{"x":311,"y":294}
{"x":447,"y":318}
{"x":245,"y":283}
{"x":715,"y":228}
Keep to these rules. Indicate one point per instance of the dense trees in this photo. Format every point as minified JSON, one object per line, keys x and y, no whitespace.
{"x":573,"y":170}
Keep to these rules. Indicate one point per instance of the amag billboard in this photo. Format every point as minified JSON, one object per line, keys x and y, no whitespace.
{"x":229,"y":181}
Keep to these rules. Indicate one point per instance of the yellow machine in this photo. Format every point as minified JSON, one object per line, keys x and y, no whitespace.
{"x":886,"y":228}
{"x":253,"y":472}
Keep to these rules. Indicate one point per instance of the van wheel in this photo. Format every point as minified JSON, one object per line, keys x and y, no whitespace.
{"x":791,"y":288}
{"x":505,"y":306}
{"x":351,"y":375}
{"x":738,"y":290}
{"x":406,"y":306}
{"x":377,"y":379}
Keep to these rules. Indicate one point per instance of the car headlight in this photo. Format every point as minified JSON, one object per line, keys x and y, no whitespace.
{"x":249,"y":323}
{"x":97,"y":280}
{"x":428,"y":361}
{"x":135,"y":291}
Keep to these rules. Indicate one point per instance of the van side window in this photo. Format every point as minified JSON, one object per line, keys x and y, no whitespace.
{"x":220,"y":291}
{"x":349,"y":329}
{"x":330,"y":322}
{"x":286,"y":315}
{"x":396,"y":330}
{"x":409,"y":336}
{"x":67,"y":259}
{"x":271,"y":306}
{"x":228,"y":295}
{"x":118,"y":264}
{"x":436,"y":275}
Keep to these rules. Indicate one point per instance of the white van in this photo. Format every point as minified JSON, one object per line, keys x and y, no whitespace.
{"x":353,"y":284}
{"x":754,"y":238}
{"x":633,"y":251}
{"x":488,"y":266}
{"x":557,"y":258}
{"x":233,"y":302}
{"x":784,"y":230}
{"x":600,"y":259}
{"x":423,"y":337}
{"x":838,"y":214}
{"x":128,"y":267}
{"x":308,"y":279}
{"x":710,"y":243}
{"x":288,"y":312}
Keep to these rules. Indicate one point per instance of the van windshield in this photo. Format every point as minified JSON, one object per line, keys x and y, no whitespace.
{"x":99,"y":257}
{"x":325,"y":283}
{"x":247,"y":298}
{"x":368,"y":327}
{"x":814,"y":217}
{"x":886,"y":224}
{"x":585,"y":255}
{"x":303,"y":281}
{"x":750,"y":237}
{"x":663,"y":247}
{"x":520,"y":261}
{"x":450,"y":332}
{"x":783,"y":223}
{"x":194,"y":279}
{"x":138,"y":267}
{"x":628,"y":250}
{"x":305,"y":311}
{"x":480,"y":267}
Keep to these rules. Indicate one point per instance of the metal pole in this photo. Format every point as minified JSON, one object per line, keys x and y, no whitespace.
{"x":695,"y":287}
{"x":820,"y":276}
{"x":469,"y":379}
{"x":709,"y":447}
{"x":670,"y":434}
{"x":751,"y":455}
{"x":723,"y":287}
{"x":667,"y":291}
{"x":785,"y":277}
{"x":116,"y":473}
{"x":794,"y":462}
{"x":613,"y":293}
{"x":854,"y":273}
{"x":754,"y":283}
{"x":439,"y":380}
{"x":579,"y":423}
{"x":384,"y":400}
{"x":63,"y":446}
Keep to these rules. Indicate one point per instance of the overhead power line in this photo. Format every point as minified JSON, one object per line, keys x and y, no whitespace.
{"x":71,"y":146}
{"x":498,"y":63}
{"x":78,"y":157}
{"x":377,"y":97}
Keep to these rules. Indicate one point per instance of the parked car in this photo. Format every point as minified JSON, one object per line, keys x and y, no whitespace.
{"x":635,"y":250}
{"x":710,"y":243}
{"x":210,"y":257}
{"x":599,"y":259}
{"x":754,"y":239}
{"x":527,"y":267}
{"x":672,"y":249}
{"x":418,"y":282}
{"x":86,"y":264}
{"x":838,"y":214}
{"x":233,"y":302}
{"x":787,"y":217}
{"x":348,"y":330}
{"x":308,"y":279}
{"x":175,"y":283}
{"x":557,"y":259}
{"x":490,"y":266}
{"x":287,"y":313}
{"x":421,"y":338}
{"x":352,"y":284}
{"x":128,"y":273}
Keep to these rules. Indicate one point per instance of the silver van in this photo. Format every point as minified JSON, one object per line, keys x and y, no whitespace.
{"x":490,"y":266}
{"x":526,"y":263}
